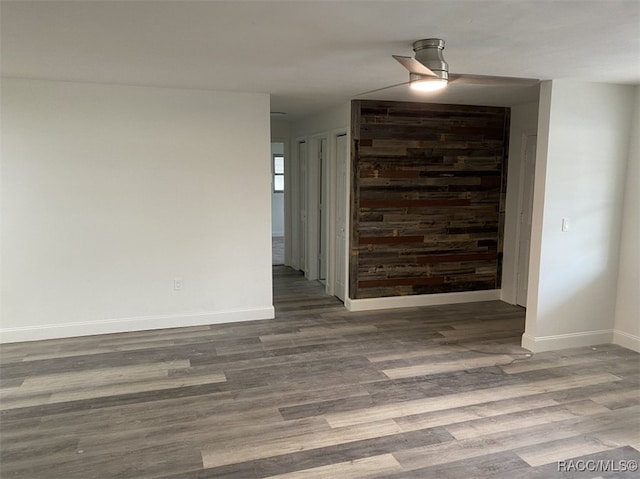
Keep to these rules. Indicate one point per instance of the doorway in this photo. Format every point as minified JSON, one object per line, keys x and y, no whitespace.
{"x":277,"y":203}
{"x":318,"y":211}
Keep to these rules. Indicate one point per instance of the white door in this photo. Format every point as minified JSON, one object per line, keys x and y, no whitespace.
{"x":341,"y":216}
{"x":302,"y":201}
{"x":322,"y":216}
{"x":526,"y":207}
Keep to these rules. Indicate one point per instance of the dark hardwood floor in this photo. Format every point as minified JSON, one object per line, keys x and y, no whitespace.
{"x":434,"y":392}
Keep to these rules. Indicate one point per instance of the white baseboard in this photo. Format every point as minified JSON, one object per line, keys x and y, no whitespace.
{"x":626,"y":340}
{"x":564,"y":341}
{"x":122,"y":325}
{"x":411,"y":301}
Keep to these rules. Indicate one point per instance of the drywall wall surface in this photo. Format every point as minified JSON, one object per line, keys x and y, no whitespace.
{"x":627,"y":319}
{"x":325,"y":121}
{"x":583,"y":139}
{"x":131,"y":208}
{"x":279,"y":129}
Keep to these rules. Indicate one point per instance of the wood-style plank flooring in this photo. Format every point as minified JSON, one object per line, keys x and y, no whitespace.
{"x":434,"y":392}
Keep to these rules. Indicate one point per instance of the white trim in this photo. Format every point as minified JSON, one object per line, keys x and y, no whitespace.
{"x":626,"y":340}
{"x":345,"y":195}
{"x":421,"y":300}
{"x":140,"y":323}
{"x":564,"y":341}
{"x":297,"y":201}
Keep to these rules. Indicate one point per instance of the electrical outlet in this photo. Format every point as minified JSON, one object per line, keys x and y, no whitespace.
{"x":177,"y":284}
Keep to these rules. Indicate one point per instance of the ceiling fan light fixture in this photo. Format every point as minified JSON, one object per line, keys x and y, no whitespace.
{"x":429,"y":53}
{"x":429,"y":72}
{"x":428,"y":84}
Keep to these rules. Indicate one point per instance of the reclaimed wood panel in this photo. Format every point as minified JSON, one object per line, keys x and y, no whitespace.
{"x":427,"y":197}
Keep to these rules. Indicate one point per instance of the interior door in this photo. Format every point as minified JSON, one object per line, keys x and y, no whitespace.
{"x":322,"y":216}
{"x":526,"y":207}
{"x":341,"y":216}
{"x":302,"y":201}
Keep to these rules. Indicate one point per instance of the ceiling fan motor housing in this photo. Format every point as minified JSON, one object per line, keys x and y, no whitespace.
{"x":429,"y":53}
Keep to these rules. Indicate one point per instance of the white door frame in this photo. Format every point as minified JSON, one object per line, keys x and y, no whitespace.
{"x":340,"y":199}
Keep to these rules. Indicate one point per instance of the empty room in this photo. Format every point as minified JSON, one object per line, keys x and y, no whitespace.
{"x":320,"y":239}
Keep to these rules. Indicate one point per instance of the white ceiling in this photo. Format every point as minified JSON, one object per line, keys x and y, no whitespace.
{"x":312,"y":54}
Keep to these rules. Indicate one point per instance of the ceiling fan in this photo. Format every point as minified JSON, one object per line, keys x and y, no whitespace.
{"x":428,"y":71}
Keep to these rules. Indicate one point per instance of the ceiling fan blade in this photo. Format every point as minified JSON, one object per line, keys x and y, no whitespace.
{"x":462,"y":78}
{"x":383,"y":88}
{"x":413,"y":65}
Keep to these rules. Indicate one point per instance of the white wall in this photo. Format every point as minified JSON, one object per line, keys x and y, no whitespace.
{"x":326,"y":121}
{"x":524,"y":121}
{"x":110,"y":192}
{"x":627,"y":322}
{"x":583,"y":138}
{"x":279,"y":129}
{"x":277,"y":199}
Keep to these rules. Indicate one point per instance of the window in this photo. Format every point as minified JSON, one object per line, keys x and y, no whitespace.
{"x":278,"y":173}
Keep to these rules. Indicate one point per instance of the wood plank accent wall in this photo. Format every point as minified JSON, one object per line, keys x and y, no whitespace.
{"x":427,"y":199}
